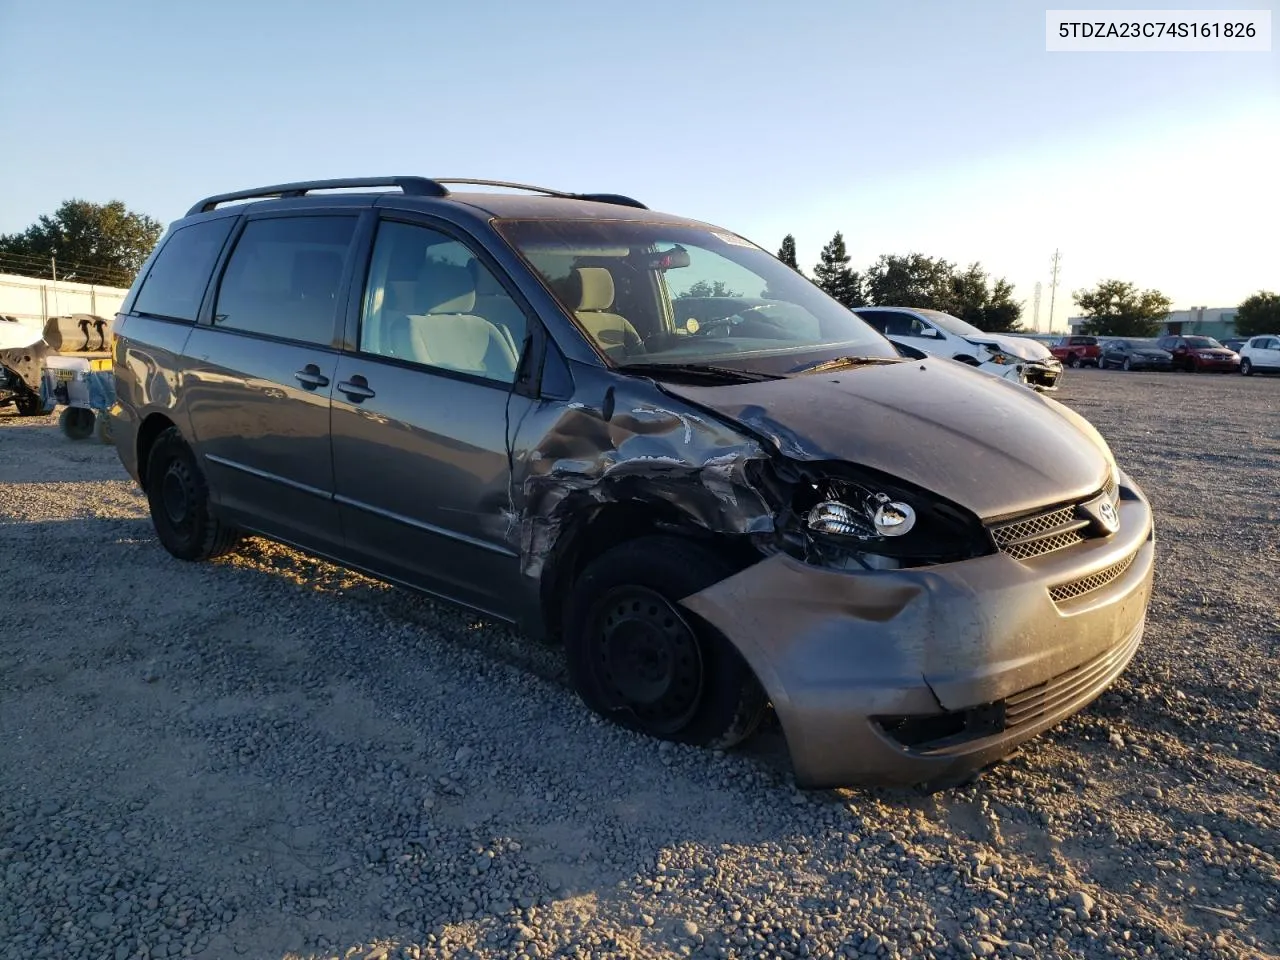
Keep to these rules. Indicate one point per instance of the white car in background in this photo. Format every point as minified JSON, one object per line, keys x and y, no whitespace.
{"x":1018,"y":359}
{"x":1261,"y":355}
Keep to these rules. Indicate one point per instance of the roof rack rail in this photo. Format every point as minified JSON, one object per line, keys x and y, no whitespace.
{"x":410,"y":186}
{"x":614,"y":198}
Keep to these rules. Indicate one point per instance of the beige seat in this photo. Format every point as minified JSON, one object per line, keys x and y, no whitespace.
{"x":443,"y":332}
{"x":612,"y":332}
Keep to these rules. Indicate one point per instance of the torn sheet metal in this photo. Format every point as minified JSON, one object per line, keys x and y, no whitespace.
{"x":632,"y":446}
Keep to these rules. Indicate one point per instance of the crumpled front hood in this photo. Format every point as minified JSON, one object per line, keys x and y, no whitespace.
{"x":1018,"y":346}
{"x":991,"y":446}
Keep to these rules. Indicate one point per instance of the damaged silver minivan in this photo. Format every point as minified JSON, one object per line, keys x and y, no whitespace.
{"x":648,"y":438}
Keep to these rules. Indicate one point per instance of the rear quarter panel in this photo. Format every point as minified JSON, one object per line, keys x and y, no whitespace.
{"x":147,"y":361}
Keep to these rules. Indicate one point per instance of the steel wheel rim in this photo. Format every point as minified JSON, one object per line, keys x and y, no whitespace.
{"x":647,"y":658}
{"x":177,"y":493}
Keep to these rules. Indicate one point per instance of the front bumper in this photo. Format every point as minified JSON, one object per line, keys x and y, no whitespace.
{"x":1043,"y":375}
{"x":928,"y":674}
{"x":1202,"y":363}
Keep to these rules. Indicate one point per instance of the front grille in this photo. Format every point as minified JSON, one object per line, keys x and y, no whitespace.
{"x":1040,"y":534}
{"x":1096,"y":581}
{"x":1031,"y":704}
{"x":1043,"y":533}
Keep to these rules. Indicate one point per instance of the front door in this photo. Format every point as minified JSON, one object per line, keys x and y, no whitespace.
{"x":422,"y":413}
{"x":259,"y":377}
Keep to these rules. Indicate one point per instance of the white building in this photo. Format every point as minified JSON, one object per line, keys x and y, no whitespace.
{"x":1217,"y":322}
{"x":32,"y":301}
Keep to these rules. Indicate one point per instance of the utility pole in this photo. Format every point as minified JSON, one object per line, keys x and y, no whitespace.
{"x":1035,"y":323}
{"x":53,"y":265}
{"x":1053,"y":287}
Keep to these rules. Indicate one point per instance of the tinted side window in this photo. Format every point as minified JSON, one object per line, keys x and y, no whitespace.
{"x":282,"y":278}
{"x":179,"y":274}
{"x":876,"y":318}
{"x":430,"y":301}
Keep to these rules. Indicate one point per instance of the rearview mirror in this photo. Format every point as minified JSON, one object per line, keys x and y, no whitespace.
{"x":671,"y":259}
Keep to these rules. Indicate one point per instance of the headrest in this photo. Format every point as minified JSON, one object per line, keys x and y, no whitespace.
{"x":316,"y":273}
{"x":445,"y":288}
{"x":594,"y":288}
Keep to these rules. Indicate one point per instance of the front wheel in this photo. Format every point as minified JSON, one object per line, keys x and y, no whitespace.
{"x":639,"y":660}
{"x":178,"y":495}
{"x":1246,"y":367}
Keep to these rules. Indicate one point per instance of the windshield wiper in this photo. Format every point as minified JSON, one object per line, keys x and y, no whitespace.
{"x":821,"y":366}
{"x":702,"y":370}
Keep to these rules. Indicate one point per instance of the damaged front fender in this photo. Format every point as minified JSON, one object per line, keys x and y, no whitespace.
{"x":634,"y":447}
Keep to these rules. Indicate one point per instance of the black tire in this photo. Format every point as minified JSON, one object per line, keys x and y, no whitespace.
{"x":1246,"y":367}
{"x":683,"y":681}
{"x":1073,"y":361}
{"x":1127,"y":365}
{"x":29,"y":405}
{"x":178,"y":495}
{"x":76,"y":423}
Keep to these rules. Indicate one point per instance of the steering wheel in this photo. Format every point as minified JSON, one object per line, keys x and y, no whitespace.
{"x":711,"y":327}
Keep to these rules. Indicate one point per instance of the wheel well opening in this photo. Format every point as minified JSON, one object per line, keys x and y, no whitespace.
{"x":152,"y":427}
{"x":609,"y":525}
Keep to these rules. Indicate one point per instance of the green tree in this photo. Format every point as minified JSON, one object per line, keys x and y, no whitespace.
{"x":1116,"y":308}
{"x":834,"y":275}
{"x":1258,"y":314}
{"x":92,"y":242}
{"x":1001,"y":314}
{"x":913,"y":280}
{"x":787,"y":253}
{"x":705,"y":288}
{"x":971,"y":296}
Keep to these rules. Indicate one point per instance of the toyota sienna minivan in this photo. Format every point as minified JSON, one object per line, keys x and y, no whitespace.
{"x":495,"y":394}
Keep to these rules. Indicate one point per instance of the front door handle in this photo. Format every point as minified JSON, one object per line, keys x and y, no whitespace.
{"x":356,"y":389}
{"x":310,"y":377}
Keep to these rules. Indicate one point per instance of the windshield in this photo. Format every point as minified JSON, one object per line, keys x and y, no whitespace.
{"x":952,"y":324}
{"x":654,"y":293}
{"x":1202,"y":342}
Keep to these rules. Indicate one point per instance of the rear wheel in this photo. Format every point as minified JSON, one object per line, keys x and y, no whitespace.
{"x":640,"y":661}
{"x":1246,"y":367}
{"x":1128,"y":365}
{"x":178,"y":495}
{"x":1073,"y":362}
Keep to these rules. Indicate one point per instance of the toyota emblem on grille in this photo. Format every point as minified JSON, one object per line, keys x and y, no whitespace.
{"x":1107,"y":517}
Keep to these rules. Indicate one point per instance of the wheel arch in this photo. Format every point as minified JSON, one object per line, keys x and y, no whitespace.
{"x":608,"y":525}
{"x":151,"y":428}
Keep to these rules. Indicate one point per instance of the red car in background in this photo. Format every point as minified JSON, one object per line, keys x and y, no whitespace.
{"x":1199,"y":353}
{"x":1078,"y":351}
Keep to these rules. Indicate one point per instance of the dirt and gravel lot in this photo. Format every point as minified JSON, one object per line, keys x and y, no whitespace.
{"x":269,"y":757}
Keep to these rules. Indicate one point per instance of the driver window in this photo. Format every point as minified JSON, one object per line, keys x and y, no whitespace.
{"x":430,"y":301}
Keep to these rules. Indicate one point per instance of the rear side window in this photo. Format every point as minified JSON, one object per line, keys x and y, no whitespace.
{"x":283,"y":277}
{"x":177,"y":279}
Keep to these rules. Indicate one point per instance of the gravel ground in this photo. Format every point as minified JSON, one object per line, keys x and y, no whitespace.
{"x":271,"y":757}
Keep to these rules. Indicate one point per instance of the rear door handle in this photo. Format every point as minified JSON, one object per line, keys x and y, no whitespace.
{"x":356,"y":389}
{"x":310,"y":377}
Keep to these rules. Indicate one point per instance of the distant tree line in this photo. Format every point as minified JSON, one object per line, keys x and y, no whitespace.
{"x":100,"y":243}
{"x":913,"y":280}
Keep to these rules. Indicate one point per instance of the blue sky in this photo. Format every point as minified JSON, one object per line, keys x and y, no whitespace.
{"x":935,"y":126}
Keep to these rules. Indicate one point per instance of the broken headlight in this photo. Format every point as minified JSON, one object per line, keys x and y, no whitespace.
{"x":866,"y":522}
{"x":996,"y":355}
